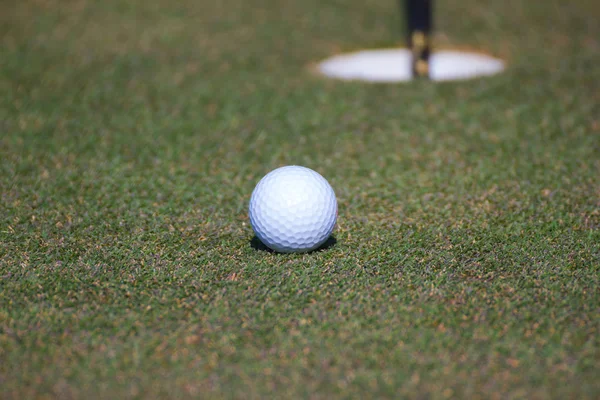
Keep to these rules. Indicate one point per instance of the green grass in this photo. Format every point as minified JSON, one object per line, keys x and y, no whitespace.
{"x":132,"y":133}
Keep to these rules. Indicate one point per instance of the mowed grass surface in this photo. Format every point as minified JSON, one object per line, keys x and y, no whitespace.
{"x":133,"y":132}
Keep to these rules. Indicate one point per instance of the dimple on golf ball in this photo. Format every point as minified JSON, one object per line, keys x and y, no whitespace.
{"x":293,"y":209}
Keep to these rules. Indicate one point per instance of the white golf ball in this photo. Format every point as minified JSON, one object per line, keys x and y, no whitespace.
{"x":293,"y":209}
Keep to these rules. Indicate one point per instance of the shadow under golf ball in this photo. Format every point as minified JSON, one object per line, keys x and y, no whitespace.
{"x":256,"y":244}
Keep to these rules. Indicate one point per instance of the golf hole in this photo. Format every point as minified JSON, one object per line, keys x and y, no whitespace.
{"x":394,"y":65}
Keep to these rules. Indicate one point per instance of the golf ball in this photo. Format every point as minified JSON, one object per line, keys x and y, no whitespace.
{"x":293,"y":209}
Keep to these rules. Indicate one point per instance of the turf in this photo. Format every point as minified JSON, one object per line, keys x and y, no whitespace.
{"x":466,"y":259}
